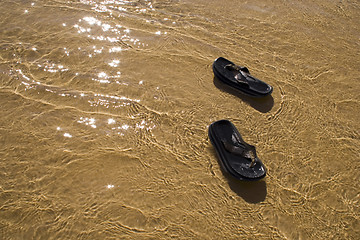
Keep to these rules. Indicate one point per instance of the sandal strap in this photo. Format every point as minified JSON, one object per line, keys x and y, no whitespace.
{"x":243,"y":76}
{"x":239,"y":147}
{"x":237,"y":68}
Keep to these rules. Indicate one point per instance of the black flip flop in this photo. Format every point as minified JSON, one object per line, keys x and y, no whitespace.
{"x":236,"y":156}
{"x":239,"y":78}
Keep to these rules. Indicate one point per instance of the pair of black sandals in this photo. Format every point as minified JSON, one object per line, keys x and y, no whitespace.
{"x":237,"y":157}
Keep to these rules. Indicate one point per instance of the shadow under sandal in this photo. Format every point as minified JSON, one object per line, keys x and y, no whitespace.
{"x":236,"y":156}
{"x":239,"y":78}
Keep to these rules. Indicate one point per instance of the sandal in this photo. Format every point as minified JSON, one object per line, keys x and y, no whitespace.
{"x":239,"y":78}
{"x":236,"y":156}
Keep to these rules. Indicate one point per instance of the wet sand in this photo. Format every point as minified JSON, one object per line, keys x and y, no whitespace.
{"x":105,"y":107}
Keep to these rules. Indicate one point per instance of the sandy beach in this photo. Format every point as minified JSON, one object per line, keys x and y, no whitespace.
{"x":105,"y":109}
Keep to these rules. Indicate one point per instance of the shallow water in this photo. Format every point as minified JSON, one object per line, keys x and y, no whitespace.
{"x":105,"y":107}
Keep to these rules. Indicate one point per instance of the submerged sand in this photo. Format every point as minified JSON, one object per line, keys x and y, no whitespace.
{"x":105,"y":107}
